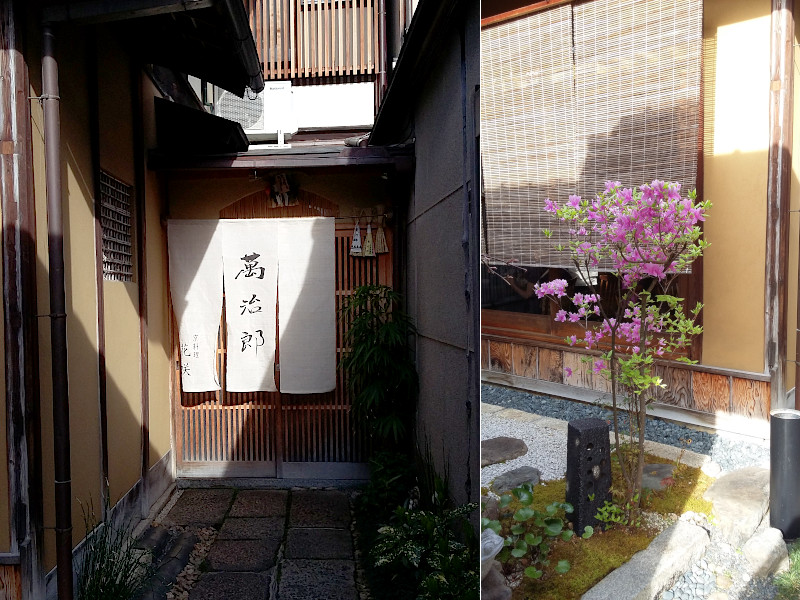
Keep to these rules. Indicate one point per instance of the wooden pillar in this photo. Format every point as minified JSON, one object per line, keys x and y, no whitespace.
{"x":778,"y":184}
{"x":19,"y":299}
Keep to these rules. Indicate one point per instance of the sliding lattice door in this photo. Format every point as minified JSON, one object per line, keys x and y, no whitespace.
{"x":263,"y":434}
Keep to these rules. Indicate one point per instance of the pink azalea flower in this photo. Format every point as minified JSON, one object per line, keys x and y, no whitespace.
{"x":568,"y":371}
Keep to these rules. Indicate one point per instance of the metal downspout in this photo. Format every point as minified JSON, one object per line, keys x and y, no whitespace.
{"x":58,"y":316}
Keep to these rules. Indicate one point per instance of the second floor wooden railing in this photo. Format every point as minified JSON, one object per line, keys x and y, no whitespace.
{"x":299,"y":39}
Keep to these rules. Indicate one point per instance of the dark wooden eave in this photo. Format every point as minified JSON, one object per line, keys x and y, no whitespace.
{"x":397,"y":157}
{"x":210,"y":39}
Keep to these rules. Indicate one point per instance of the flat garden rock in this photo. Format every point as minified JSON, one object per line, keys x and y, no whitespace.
{"x":658,"y":476}
{"x":242,"y":586}
{"x":656,"y":568}
{"x":302,"y":579}
{"x":740,"y":499}
{"x":490,"y":508}
{"x":766,"y":552}
{"x":515,"y":478}
{"x":501,"y":449}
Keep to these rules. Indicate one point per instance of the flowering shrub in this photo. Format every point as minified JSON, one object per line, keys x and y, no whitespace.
{"x":645,"y":237}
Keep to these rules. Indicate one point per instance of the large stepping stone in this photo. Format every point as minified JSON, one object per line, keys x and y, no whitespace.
{"x":657,"y":476}
{"x":740,"y":499}
{"x":515,"y":478}
{"x":199,"y":507}
{"x":242,"y":586}
{"x":501,"y":449}
{"x":766,"y":553}
{"x":319,"y":508}
{"x":656,"y":568}
{"x":319,"y":543}
{"x":303,"y":579}
{"x":243,"y":528}
{"x":260,"y":503}
{"x":242,"y":555}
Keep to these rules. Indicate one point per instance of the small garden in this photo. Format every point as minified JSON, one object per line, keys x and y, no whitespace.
{"x":413,"y":543}
{"x":544,"y":557}
{"x":642,"y":238}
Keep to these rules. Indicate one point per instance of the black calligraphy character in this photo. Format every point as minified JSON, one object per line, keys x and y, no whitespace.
{"x":185,"y":349}
{"x":251,"y":306}
{"x":251,"y":268}
{"x":196,"y":347}
{"x":185,"y":370}
{"x":248,"y":340}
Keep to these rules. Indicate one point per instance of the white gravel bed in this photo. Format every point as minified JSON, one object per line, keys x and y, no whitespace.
{"x":547,"y":448}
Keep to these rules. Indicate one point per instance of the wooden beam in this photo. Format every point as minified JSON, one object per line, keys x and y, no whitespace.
{"x":98,"y":11}
{"x":520,"y":12}
{"x":779,"y":176}
{"x":20,"y":302}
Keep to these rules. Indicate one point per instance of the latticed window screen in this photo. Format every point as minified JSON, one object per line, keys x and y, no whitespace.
{"x":577,"y":94}
{"x":115,"y":219}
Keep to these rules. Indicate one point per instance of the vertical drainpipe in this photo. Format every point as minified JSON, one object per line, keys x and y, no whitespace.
{"x":58,"y":316}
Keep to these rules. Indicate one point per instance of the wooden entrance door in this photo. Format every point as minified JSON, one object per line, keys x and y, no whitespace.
{"x":269,"y":434}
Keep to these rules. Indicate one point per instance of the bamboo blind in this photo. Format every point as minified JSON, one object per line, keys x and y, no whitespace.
{"x":578,"y":94}
{"x":299,"y":39}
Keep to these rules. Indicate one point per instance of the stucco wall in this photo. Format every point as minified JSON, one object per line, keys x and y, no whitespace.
{"x":158,"y":311}
{"x":121,"y":299}
{"x":737,"y":38}
{"x":436,"y":264}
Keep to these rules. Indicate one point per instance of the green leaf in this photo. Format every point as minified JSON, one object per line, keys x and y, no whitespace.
{"x":533,"y":573}
{"x":523,"y":514}
{"x":518,"y":553}
{"x":505,"y":500}
{"x":533,"y":540}
{"x":524,"y":496}
{"x":567,"y":534}
{"x":490,"y":524}
{"x":518,"y":529}
{"x":562,"y":566}
{"x":553,"y":527}
{"x":552,"y":508}
{"x":587,"y":532}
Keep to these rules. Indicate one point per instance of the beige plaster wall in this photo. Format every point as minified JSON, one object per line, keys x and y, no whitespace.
{"x":157,"y":299}
{"x":121,"y":299}
{"x":737,"y":38}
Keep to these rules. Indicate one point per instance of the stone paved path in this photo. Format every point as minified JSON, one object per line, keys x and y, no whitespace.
{"x":271,"y":544}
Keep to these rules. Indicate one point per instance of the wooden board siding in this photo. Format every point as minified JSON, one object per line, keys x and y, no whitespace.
{"x":10,"y":583}
{"x":678,"y":387}
{"x":500,"y":356}
{"x":551,"y":365}
{"x":750,"y":398}
{"x":524,"y":360}
{"x":299,"y":39}
{"x":254,"y":433}
{"x":712,"y":391}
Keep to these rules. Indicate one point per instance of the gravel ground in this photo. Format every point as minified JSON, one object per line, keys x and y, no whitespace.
{"x":721,"y":574}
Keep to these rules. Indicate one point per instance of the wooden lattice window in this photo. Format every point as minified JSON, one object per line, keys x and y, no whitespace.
{"x":115,"y":220}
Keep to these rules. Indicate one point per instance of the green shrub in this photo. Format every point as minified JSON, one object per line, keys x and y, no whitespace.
{"x":112,"y":565}
{"x":381,"y":376}
{"x":423,"y":546}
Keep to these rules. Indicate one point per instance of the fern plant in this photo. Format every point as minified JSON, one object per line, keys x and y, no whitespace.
{"x":381,"y":376}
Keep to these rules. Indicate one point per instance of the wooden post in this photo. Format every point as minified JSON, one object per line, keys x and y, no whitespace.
{"x":19,"y":299}
{"x":778,"y":182}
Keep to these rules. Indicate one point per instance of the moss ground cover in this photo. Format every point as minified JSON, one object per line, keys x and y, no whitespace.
{"x":592,"y":559}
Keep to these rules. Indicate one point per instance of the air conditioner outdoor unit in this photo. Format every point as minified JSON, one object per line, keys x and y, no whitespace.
{"x":266,"y":116}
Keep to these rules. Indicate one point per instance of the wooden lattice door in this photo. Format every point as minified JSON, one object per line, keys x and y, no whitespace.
{"x":269,"y":434}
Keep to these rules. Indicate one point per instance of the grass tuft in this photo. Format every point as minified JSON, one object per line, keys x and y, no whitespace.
{"x":788,"y":582}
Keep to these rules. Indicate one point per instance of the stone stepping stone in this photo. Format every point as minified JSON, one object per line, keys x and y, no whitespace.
{"x":319,"y":508}
{"x":242,"y":555}
{"x":319,"y":543}
{"x":515,"y":478}
{"x":260,"y":503}
{"x":242,"y":586}
{"x":501,"y":449}
{"x":235,"y":528}
{"x":302,"y":579}
{"x":658,"y":476}
{"x":740,"y":499}
{"x":199,"y":507}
